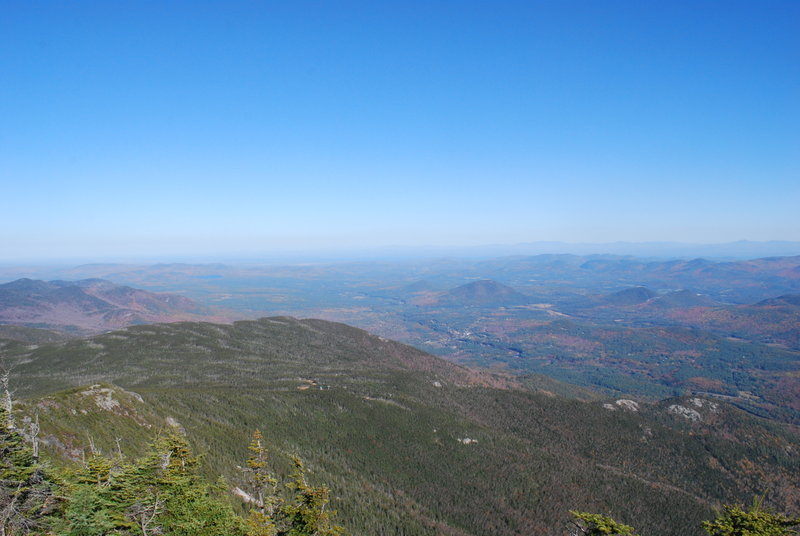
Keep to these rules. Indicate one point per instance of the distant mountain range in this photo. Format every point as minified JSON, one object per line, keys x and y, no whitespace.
{"x":742,"y":249}
{"x":741,"y":281}
{"x":736,"y":281}
{"x":89,"y":305}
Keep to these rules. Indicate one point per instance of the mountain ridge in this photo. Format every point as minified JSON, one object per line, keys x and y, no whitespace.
{"x":89,"y":305}
{"x":405,"y":439}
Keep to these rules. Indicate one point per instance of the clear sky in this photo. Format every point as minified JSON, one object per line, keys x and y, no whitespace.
{"x":158,"y":127}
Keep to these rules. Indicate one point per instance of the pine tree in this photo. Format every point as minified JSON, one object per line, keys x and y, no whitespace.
{"x":89,"y":512}
{"x":173,"y":496}
{"x":162,"y":493}
{"x":756,"y":521}
{"x":98,"y":496}
{"x":263,"y":491}
{"x":307,"y":515}
{"x":599,"y":525}
{"x":26,"y":490}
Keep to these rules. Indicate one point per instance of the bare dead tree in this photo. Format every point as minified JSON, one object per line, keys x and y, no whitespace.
{"x":92,"y":447}
{"x":7,"y":400}
{"x":15,"y":515}
{"x":26,"y":496}
{"x":34,"y":437}
{"x":30,"y":431}
{"x":118,"y":441}
{"x":143,"y":514}
{"x":10,"y":510}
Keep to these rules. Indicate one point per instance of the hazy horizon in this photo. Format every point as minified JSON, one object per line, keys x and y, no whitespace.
{"x":182,"y":129}
{"x":738,"y":250}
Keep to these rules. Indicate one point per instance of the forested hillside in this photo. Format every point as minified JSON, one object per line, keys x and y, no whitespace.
{"x":624,"y":326}
{"x":89,"y":306}
{"x":408,"y":443}
{"x":161,"y":492}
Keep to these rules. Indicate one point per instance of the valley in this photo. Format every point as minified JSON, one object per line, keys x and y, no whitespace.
{"x":622,"y":325}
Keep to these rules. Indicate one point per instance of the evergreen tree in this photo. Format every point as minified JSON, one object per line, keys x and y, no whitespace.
{"x":263,"y":492}
{"x":89,"y":512}
{"x":171,"y":494}
{"x":756,"y":521}
{"x":26,"y":491}
{"x":162,"y":493}
{"x":307,"y":515}
{"x":599,"y":525}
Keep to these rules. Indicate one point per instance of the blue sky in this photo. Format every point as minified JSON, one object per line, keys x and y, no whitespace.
{"x":158,"y":128}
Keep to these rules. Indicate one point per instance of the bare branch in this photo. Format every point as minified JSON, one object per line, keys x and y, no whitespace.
{"x":7,"y":400}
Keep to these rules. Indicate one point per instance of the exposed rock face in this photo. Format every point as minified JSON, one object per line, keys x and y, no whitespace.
{"x":695,"y":409}
{"x":629,"y":405}
{"x":623,"y":403}
{"x":713,"y":407}
{"x":687,"y":413}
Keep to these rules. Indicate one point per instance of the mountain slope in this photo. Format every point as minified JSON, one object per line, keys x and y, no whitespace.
{"x":30,"y":335}
{"x":629,"y":296}
{"x":682,"y":298}
{"x":773,"y":321}
{"x":483,"y":293}
{"x":88,"y":306}
{"x":790,"y":300}
{"x":409,"y":443}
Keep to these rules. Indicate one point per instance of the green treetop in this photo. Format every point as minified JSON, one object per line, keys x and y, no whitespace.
{"x":756,"y":521}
